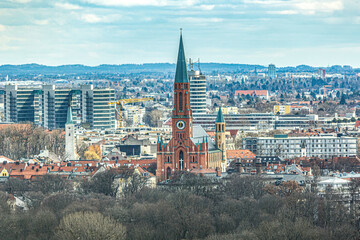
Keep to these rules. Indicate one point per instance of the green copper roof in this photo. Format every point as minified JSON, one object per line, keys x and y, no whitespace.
{"x":220,"y":117}
{"x":69,"y":119}
{"x":181,"y":69}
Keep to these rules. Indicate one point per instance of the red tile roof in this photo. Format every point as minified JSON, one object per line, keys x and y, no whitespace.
{"x":251,"y":92}
{"x":3,"y":158}
{"x":243,"y":153}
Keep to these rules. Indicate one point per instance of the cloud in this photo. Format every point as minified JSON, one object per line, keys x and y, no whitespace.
{"x":2,"y":28}
{"x":304,"y":7}
{"x":133,"y":3}
{"x":94,"y":18}
{"x":128,"y":3}
{"x":207,"y":7}
{"x":284,"y":12}
{"x":67,"y":6}
{"x":91,"y":18}
{"x":21,"y":1}
{"x":41,"y":22}
{"x":312,"y":7}
{"x":200,"y":20}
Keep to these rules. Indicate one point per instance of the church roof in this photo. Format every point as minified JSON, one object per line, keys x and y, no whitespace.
{"x":199,"y":135}
{"x":220,"y":117}
{"x":69,"y":119}
{"x":181,"y":75}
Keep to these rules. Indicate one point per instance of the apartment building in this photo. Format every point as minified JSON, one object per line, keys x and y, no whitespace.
{"x":323,"y":146}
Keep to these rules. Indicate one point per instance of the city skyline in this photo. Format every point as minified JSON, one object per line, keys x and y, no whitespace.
{"x":94,"y":32}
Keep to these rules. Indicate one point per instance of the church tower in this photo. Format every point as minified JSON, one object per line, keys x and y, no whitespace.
{"x":70,"y":136}
{"x":182,"y":114}
{"x":190,"y":149}
{"x":220,"y":139}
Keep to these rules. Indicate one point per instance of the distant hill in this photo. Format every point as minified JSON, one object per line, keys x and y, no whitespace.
{"x":36,"y":69}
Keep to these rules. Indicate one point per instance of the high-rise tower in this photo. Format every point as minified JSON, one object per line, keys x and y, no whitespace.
{"x":272,"y":71}
{"x":197,"y":91}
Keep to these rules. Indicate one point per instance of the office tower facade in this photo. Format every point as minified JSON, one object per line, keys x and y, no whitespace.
{"x":47,"y":106}
{"x":321,"y":72}
{"x":95,"y":109}
{"x":55,"y":102}
{"x":272,"y":71}
{"x":197,"y":92}
{"x":22,"y":104}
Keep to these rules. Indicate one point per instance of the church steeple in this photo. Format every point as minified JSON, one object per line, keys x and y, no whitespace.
{"x":70,"y":146}
{"x":182,"y":114}
{"x":220,"y":117}
{"x":220,"y":138}
{"x":69,"y":118}
{"x":181,"y":75}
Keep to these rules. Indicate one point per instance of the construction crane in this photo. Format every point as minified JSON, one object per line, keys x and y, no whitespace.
{"x":119,"y":103}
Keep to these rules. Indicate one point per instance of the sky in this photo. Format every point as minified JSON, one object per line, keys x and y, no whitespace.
{"x":93,"y":32}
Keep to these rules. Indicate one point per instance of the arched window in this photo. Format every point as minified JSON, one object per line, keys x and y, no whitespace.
{"x":180,"y":101}
{"x":181,"y":160}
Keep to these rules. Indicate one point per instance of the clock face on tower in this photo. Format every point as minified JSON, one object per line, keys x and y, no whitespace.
{"x":180,"y":124}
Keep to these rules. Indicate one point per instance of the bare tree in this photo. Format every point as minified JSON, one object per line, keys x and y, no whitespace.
{"x":89,"y":226}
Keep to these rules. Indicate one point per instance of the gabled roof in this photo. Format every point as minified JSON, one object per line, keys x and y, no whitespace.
{"x":181,"y":75}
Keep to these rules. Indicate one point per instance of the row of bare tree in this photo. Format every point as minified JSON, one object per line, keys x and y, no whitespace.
{"x":26,"y":140}
{"x":189,"y":207}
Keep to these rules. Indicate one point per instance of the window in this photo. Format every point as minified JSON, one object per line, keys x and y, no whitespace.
{"x":180,"y":102}
{"x":181,"y":160}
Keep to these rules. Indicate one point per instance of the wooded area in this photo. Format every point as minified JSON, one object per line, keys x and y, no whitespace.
{"x":190,"y":207}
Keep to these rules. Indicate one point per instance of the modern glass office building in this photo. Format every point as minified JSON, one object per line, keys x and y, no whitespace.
{"x":197,"y":92}
{"x":47,"y":106}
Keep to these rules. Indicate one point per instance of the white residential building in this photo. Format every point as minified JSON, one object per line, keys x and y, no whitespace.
{"x":324,"y":146}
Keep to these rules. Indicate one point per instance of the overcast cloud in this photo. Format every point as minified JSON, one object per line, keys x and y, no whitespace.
{"x":92,"y":32}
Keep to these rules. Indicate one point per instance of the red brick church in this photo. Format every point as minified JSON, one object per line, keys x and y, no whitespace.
{"x":191,"y":148}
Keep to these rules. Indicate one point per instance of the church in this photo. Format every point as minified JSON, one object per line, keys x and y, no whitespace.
{"x":190,"y":148}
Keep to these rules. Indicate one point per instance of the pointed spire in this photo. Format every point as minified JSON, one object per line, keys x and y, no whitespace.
{"x":181,"y":68}
{"x":220,"y":117}
{"x":69,"y":118}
